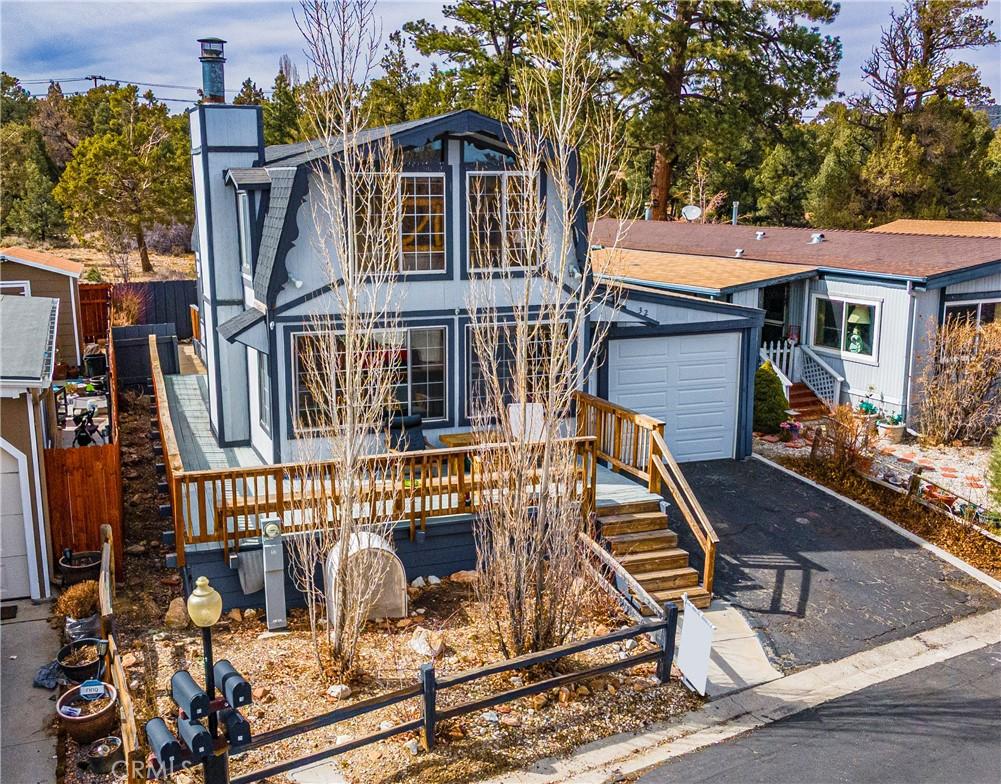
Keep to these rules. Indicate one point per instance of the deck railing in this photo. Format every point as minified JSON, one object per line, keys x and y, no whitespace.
{"x":633,"y":443}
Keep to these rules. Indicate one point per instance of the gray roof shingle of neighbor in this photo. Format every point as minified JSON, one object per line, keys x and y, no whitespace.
{"x":904,"y":255}
{"x":271,"y":233}
{"x":27,"y":339}
{"x":304,"y":152}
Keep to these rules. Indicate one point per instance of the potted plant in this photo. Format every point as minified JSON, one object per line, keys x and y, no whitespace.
{"x":791,"y":430}
{"x":891,"y":427}
{"x":868,"y":410}
{"x":87,"y":718}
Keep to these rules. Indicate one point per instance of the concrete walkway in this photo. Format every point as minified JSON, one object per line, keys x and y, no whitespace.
{"x":738,"y":660}
{"x":28,"y":745}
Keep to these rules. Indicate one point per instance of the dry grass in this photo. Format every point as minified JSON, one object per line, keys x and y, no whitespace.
{"x":164,"y":267}
{"x":77,"y":601}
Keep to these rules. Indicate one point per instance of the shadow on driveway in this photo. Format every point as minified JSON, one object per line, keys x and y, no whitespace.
{"x":819,"y":579}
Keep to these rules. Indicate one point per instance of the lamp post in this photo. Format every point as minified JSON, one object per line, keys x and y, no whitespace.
{"x":204,"y":609}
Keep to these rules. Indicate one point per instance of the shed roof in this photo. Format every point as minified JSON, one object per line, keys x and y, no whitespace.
{"x":941,"y":228}
{"x":712,"y":275}
{"x":899,"y":255}
{"x":27,"y":340}
{"x":42,"y":260}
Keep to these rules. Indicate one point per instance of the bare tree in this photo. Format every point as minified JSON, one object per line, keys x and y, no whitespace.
{"x":116,"y":241}
{"x":533,"y":337}
{"x":349,"y":363}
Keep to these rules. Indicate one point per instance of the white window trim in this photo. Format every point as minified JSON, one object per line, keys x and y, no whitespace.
{"x":24,"y":285}
{"x":243,"y":230}
{"x":849,"y":356}
{"x":504,"y":175}
{"x":968,"y":302}
{"x":444,"y":199}
{"x":294,"y":391}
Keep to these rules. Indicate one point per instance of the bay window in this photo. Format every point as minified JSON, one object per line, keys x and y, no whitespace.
{"x":500,"y":208}
{"x":846,"y":327}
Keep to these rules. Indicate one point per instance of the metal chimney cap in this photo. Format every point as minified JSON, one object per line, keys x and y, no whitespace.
{"x":738,"y":252}
{"x":759,"y":235}
{"x":212,"y":48}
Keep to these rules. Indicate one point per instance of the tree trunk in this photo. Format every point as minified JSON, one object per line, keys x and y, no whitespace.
{"x":660,"y":187}
{"x":143,"y":250}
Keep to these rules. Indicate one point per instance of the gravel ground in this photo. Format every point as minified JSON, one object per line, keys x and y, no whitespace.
{"x":961,"y":470}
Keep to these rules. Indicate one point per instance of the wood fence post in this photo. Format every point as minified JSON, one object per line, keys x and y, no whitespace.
{"x":430,"y":689}
{"x":818,"y":438}
{"x":667,"y":642}
{"x":914,"y":483}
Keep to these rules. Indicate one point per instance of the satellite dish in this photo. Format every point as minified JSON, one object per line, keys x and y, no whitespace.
{"x":691,"y":213}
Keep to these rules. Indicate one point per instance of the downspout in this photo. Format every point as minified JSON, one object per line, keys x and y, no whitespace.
{"x":909,"y":362}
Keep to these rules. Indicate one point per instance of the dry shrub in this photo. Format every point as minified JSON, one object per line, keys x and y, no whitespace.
{"x":128,"y":305}
{"x":849,"y":440}
{"x":959,"y":386}
{"x":78,"y":601}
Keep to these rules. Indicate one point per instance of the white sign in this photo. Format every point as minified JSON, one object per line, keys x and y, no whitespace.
{"x":696,"y":647}
{"x":92,"y":689}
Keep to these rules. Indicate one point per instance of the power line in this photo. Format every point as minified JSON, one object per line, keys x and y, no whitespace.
{"x":96,"y":79}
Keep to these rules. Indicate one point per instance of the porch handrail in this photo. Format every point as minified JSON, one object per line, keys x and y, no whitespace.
{"x":634,"y":443}
{"x":828,"y":390}
{"x":813,"y":355}
{"x":786,"y":383}
{"x":173,"y":467}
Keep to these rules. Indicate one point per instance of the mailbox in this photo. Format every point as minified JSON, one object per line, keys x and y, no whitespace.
{"x":189,"y":696}
{"x":234,"y":686}
{"x":237,"y":728}
{"x":197,"y":738}
{"x":166,"y":749}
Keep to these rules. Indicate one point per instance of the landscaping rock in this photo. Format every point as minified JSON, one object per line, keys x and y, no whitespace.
{"x":250,"y":615}
{"x":427,"y":642}
{"x":629,"y":644}
{"x":412,"y":746}
{"x":339,"y":691}
{"x":136,"y":549}
{"x":510,"y":721}
{"x":467,"y":576}
{"x":491,"y":716}
{"x":177,"y":614}
{"x":538,"y":701}
{"x":418,"y":582}
{"x":129,"y":660}
{"x":171,"y":579}
{"x":564,"y":695}
{"x":385,"y":725}
{"x":403,"y":623}
{"x":235,"y":615}
{"x":432,"y":580}
{"x":261,"y":693}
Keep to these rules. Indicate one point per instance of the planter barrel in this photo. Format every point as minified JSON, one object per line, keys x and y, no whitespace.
{"x":79,"y":672}
{"x":85,"y":565}
{"x":86,"y":729}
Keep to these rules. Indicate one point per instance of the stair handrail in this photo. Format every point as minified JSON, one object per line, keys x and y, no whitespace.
{"x":786,"y":383}
{"x":665,"y":468}
{"x":837,"y":377}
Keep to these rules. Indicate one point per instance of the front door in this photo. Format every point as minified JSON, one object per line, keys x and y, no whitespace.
{"x":775,"y":301}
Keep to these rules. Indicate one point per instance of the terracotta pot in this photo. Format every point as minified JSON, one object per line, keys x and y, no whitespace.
{"x":85,"y":729}
{"x":892,"y":433}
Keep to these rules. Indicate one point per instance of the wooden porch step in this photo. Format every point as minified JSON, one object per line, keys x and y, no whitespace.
{"x":632,"y":523}
{"x":642,"y":541}
{"x":668,"y":579}
{"x":639,"y":564}
{"x":697,"y":595}
{"x":629,"y":507}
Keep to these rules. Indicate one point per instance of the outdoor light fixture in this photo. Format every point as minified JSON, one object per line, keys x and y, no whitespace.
{"x":205,"y":609}
{"x":204,"y":604}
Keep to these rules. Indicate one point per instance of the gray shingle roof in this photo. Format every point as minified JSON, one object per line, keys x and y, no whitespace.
{"x":282,"y":179}
{"x":27,"y":339}
{"x":245,"y":177}
{"x":240,"y":323}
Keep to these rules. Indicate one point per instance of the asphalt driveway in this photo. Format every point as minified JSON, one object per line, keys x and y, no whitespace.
{"x":819,"y":579}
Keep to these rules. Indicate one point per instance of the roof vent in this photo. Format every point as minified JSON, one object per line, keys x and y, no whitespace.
{"x":759,"y":235}
{"x":738,"y":252}
{"x":816,"y":239}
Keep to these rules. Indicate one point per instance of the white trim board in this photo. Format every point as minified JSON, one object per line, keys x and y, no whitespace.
{"x":42,"y":541}
{"x":949,"y":558}
{"x":27,"y":516}
{"x":37,"y":265}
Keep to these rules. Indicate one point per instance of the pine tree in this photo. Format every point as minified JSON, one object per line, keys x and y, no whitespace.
{"x":250,"y":94}
{"x":36,"y":214}
{"x":282,"y":114}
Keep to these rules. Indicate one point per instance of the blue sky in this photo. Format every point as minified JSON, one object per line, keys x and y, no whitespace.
{"x":155,"y":42}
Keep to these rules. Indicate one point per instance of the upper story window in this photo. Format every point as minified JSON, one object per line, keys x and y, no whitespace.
{"x":846,"y":327}
{"x":429,"y":153}
{"x":486,"y":156}
{"x":422,"y":222}
{"x":264,"y":391}
{"x":243,"y":224}
{"x":499,"y":207}
{"x":976,"y":312}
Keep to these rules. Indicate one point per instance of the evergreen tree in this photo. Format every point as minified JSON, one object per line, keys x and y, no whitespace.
{"x":282,"y":114}
{"x":36,"y":214}
{"x":20,"y":147}
{"x":250,"y":94}
{"x":769,"y":400}
{"x":15,"y":101}
{"x":52,"y":118}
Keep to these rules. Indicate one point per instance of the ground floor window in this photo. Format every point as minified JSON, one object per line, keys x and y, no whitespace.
{"x":978,"y":312}
{"x":264,"y":390}
{"x":20,"y":288}
{"x":845,"y":326}
{"x":416,"y":357}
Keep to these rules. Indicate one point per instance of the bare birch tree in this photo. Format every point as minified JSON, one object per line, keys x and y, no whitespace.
{"x":349,"y":362}
{"x":534,"y":336}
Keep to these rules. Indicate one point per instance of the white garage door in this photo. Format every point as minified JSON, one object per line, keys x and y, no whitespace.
{"x":689,"y":381}
{"x":13,"y":551}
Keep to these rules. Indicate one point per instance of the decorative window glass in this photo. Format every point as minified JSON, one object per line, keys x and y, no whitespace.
{"x":243,"y":223}
{"x":416,"y":358}
{"x":422,"y":222}
{"x":483,"y":155}
{"x":500,"y":208}
{"x":429,"y":153}
{"x":980,"y":313}
{"x":846,"y":327}
{"x":536,"y":366}
{"x":264,"y":390}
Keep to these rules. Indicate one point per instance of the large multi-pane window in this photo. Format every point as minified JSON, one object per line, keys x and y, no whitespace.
{"x":845,"y":326}
{"x":500,"y":208}
{"x":534,"y":372}
{"x":422,"y":222}
{"x":414,"y":357}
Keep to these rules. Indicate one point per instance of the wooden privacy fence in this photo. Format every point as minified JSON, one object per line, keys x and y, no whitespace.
{"x":95,"y":310}
{"x":162,"y":301}
{"x":429,"y":687}
{"x":134,"y":761}
{"x":132,"y":349}
{"x":633,"y":443}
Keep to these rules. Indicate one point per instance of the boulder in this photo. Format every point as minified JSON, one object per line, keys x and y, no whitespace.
{"x":467,"y":576}
{"x":177,"y":614}
{"x":427,"y":643}
{"x":339,"y":691}
{"x":235,"y":615}
{"x":418,"y":582}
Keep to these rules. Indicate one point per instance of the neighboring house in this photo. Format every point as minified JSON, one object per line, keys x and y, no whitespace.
{"x":35,"y":273}
{"x":28,"y":337}
{"x":261,"y":281}
{"x":848,"y":313}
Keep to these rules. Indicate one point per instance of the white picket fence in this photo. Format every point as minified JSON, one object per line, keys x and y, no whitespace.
{"x":782,"y":355}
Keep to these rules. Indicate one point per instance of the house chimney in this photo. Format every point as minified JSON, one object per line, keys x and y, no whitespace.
{"x":213,"y":79}
{"x":736,"y":212}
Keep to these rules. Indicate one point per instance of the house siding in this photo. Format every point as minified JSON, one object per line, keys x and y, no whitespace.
{"x":975,"y":286}
{"x":62,"y":287}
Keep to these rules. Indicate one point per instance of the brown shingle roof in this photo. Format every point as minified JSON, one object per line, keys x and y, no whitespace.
{"x":37,"y":258}
{"x":904,"y":255}
{"x":941,"y":228}
{"x":710,"y":274}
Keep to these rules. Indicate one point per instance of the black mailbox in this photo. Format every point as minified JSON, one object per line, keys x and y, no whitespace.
{"x":196,"y":737}
{"x":234,"y":686}
{"x":165,"y":747}
{"x":237,"y":728}
{"x":189,"y":696}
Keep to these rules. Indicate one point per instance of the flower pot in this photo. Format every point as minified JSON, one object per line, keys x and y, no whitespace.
{"x":88,"y":727}
{"x":85,"y":565}
{"x":104,"y":754}
{"x":892,"y":433}
{"x":78,"y":672}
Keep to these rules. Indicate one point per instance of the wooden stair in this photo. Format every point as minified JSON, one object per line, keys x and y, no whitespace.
{"x":638,"y":537}
{"x":805,"y":403}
